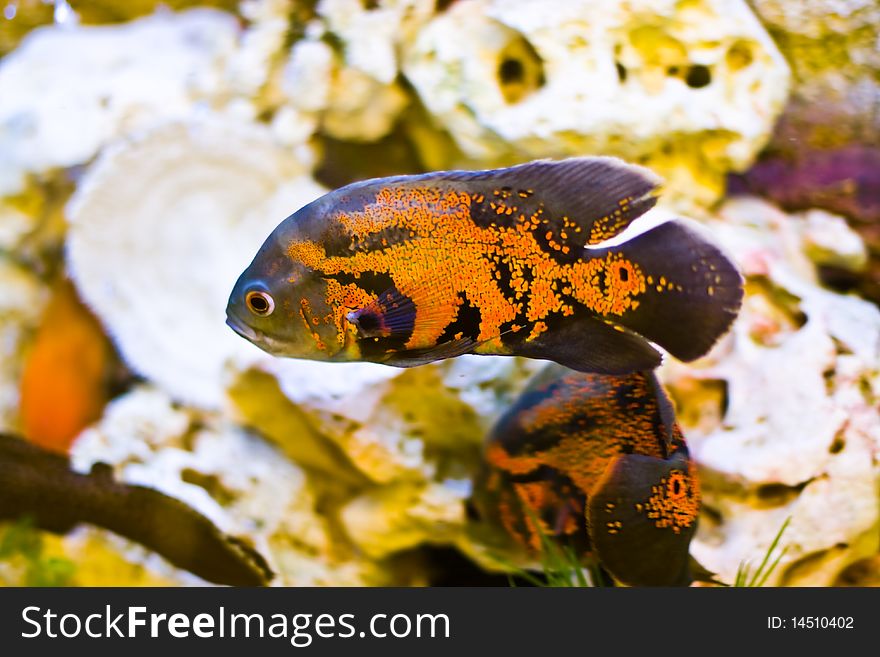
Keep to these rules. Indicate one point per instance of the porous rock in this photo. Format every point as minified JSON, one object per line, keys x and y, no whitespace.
{"x":226,"y":473}
{"x":691,"y":89}
{"x":401,"y":444}
{"x":351,"y":91}
{"x":782,"y":417}
{"x":68,"y":91}
{"x":422,"y":424}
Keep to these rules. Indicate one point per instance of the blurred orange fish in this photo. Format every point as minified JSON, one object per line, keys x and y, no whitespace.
{"x":64,"y":386}
{"x":599,"y":463}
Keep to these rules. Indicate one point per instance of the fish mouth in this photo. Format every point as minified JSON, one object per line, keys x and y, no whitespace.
{"x":243,"y":330}
{"x":255,"y":337}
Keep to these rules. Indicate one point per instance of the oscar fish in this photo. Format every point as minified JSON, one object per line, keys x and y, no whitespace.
{"x":39,"y":484}
{"x":530,"y":261}
{"x":597,"y":462}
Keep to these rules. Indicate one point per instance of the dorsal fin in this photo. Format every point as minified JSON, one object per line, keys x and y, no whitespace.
{"x":582,"y":200}
{"x":594,"y":198}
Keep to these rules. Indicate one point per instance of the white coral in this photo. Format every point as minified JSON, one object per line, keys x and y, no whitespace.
{"x":237,"y":480}
{"x":68,"y":91}
{"x":801,"y":428}
{"x":523,"y":79}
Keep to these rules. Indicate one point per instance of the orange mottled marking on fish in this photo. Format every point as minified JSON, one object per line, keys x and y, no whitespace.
{"x":535,"y":495}
{"x":537,"y":329}
{"x":510,"y":515}
{"x":581,"y":459}
{"x":343,"y":299}
{"x":443,"y":254}
{"x":674,"y":502}
{"x":538,"y":496}
{"x":305,"y":313}
{"x":610,"y":225}
{"x":579,"y":397}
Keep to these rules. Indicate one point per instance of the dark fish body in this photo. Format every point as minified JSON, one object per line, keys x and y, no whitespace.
{"x":413,"y":269}
{"x":597,"y":462}
{"x":40,"y":485}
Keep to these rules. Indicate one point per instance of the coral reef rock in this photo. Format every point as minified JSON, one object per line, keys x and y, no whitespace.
{"x":68,"y":91}
{"x":350,"y":92}
{"x":421,"y":424}
{"x":400,"y":445}
{"x":237,"y":480}
{"x":825,"y":151}
{"x":160,"y":227}
{"x":783,"y":415}
{"x":690,"y":89}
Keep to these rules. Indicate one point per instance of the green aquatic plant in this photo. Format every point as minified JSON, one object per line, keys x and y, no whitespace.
{"x":560,"y":564}
{"x":22,"y":547}
{"x":746,"y":578}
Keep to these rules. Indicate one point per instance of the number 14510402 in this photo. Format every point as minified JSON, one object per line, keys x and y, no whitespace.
{"x":810,"y":622}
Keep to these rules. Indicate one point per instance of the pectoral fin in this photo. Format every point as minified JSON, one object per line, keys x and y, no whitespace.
{"x":391,"y":315}
{"x":442,"y":351}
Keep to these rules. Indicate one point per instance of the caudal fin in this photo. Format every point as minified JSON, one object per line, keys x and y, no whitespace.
{"x":692,"y":291}
{"x":642,"y":516}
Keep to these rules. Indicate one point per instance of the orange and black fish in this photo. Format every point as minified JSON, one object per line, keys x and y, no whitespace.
{"x":40,"y":485}
{"x":519,"y":261}
{"x":597,"y":462}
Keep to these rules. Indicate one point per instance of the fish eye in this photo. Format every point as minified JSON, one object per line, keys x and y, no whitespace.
{"x":259,"y":303}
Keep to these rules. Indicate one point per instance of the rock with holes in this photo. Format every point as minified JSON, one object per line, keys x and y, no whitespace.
{"x":399,"y":446}
{"x":350,"y":91}
{"x":691,"y":89}
{"x":244,"y":485}
{"x":825,"y":151}
{"x":159,"y":228}
{"x":783,"y":416}
{"x":54,"y":114}
{"x":371,"y":423}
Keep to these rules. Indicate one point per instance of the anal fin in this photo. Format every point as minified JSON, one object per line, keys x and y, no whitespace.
{"x":591,"y":345}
